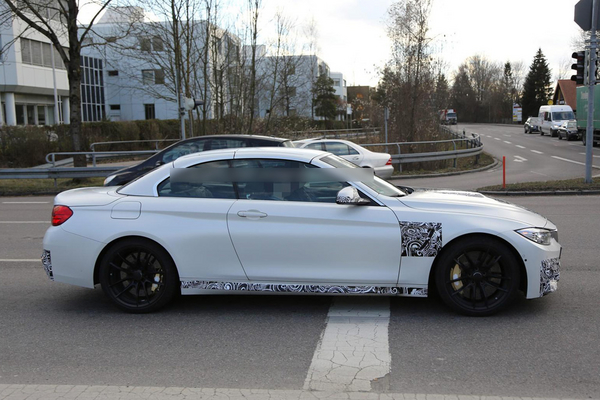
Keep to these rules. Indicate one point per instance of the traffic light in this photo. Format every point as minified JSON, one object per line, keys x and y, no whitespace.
{"x":579,"y":67}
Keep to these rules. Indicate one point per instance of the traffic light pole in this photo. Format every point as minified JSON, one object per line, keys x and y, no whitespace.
{"x":591,"y":83}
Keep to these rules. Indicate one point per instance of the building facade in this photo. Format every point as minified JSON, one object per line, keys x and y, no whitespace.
{"x":34,"y":86}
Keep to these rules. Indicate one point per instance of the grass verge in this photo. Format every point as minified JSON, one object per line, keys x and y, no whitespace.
{"x":548,"y":186}
{"x":23,"y":187}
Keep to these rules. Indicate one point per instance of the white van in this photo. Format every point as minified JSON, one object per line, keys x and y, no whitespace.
{"x":551,"y":117}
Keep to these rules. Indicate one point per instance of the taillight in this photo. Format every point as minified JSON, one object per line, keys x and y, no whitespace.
{"x":389,"y":161}
{"x":60,"y":214}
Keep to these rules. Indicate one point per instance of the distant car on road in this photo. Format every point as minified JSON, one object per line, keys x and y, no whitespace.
{"x":568,"y":130}
{"x":193,"y":145}
{"x":380,"y":162}
{"x":531,"y":125}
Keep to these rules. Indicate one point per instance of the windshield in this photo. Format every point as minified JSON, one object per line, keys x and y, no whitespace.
{"x":378,"y":185}
{"x":562,"y":115}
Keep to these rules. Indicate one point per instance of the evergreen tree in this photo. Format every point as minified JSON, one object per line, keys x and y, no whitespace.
{"x":325,"y":99}
{"x":536,"y":89}
{"x":463,"y":97}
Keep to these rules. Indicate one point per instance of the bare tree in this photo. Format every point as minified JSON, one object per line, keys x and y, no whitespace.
{"x":411,"y":76}
{"x":57,"y":20}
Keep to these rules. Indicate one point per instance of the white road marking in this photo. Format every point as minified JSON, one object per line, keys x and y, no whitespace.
{"x":519,"y":159}
{"x":507,"y":142}
{"x":521,"y":147}
{"x":592,"y":155}
{"x":354,"y":349}
{"x":497,"y":138}
{"x":20,"y":260}
{"x":25,"y":202}
{"x":536,"y":152}
{"x":24,"y":222}
{"x":572,"y":161}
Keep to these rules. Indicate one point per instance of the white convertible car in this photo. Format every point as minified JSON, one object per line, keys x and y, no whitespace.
{"x":295,"y":221}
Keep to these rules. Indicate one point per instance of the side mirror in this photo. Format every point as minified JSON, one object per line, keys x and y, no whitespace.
{"x":349,"y":195}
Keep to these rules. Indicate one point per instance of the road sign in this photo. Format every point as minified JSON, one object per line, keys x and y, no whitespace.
{"x":583,"y":14}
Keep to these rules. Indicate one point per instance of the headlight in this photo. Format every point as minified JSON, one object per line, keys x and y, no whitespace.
{"x":539,"y":235}
{"x":108,"y":179}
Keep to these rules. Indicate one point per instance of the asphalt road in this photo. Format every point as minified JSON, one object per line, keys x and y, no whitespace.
{"x":529,"y":158}
{"x":52,"y":333}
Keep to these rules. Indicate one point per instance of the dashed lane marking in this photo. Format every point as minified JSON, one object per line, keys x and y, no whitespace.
{"x":24,"y":222}
{"x":537,"y":152}
{"x":521,"y":147}
{"x":507,"y":142}
{"x":573,"y":161}
{"x":25,"y":202}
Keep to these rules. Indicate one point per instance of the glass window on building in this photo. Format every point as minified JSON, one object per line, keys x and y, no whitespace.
{"x":51,"y":115}
{"x":20,"y":111}
{"x":30,"y":115}
{"x":41,"y":115}
{"x":149,"y":111}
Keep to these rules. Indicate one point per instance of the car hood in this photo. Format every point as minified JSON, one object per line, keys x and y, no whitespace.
{"x":91,"y":196}
{"x":455,"y":201}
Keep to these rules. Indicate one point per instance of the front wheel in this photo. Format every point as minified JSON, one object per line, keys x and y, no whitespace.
{"x":138,"y":276}
{"x":477,"y":276}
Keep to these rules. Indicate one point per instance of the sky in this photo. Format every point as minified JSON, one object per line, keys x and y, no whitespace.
{"x":353,"y":39}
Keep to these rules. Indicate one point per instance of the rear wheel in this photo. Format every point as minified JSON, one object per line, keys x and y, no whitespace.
{"x":478,"y":276}
{"x":138,"y":276}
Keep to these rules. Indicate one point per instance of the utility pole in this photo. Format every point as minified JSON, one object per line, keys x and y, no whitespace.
{"x":591,"y":83}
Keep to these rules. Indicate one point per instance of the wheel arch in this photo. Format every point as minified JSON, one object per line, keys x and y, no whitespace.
{"x":123,"y":238}
{"x":522,"y":269}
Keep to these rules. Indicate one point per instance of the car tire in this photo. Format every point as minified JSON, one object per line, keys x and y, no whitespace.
{"x":138,"y":276}
{"x":477,"y":276}
{"x":559,"y":136}
{"x":583,"y":137}
{"x":553,"y":133}
{"x":526,"y":130}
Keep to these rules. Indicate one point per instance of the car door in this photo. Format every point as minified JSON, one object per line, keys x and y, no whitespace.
{"x":190,"y":215}
{"x":294,"y":232}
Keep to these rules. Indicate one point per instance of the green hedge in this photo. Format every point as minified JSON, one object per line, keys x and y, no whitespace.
{"x":27,"y":146}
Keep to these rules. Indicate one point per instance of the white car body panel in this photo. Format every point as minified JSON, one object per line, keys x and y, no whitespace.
{"x":292,"y":246}
{"x":316,"y":242}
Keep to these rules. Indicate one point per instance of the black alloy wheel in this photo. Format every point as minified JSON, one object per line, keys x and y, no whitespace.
{"x":138,"y":276}
{"x":478,"y":276}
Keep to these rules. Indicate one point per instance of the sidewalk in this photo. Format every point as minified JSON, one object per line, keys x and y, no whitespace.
{"x":81,"y":392}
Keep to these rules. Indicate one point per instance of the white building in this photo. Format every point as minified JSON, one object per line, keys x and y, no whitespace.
{"x":28,"y":79}
{"x":286,"y":84}
{"x":341,"y":91}
{"x":139,"y":82}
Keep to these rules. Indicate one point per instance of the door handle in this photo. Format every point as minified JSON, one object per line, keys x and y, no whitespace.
{"x":252,"y":214}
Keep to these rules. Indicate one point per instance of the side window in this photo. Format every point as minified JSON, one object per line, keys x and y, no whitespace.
{"x":187,"y":186}
{"x":287,"y":184}
{"x":216,"y":144}
{"x":315,"y":146}
{"x":339,"y":149}
{"x":183,"y":150}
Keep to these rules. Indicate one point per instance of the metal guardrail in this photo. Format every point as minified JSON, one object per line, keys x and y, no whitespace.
{"x":473,"y":147}
{"x":155,"y":141}
{"x":55,"y":173}
{"x":94,"y":155}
